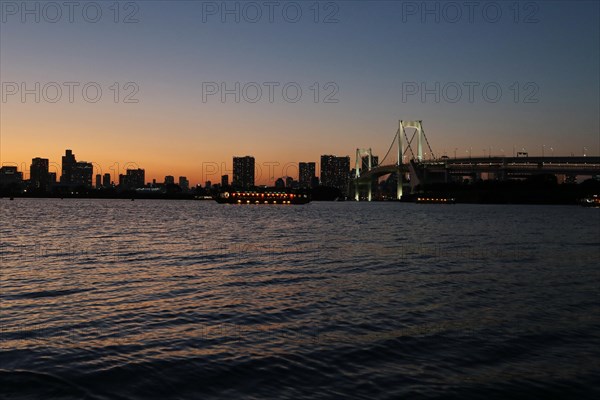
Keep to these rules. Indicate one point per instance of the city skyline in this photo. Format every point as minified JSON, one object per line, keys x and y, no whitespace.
{"x":73,"y":172}
{"x":199,"y":173}
{"x":266,"y":173}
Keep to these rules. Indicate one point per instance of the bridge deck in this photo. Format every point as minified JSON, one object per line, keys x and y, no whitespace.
{"x":579,"y":165}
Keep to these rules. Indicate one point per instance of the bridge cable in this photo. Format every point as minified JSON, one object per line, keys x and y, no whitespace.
{"x":428,"y":145}
{"x":409,"y":147}
{"x":390,"y":149}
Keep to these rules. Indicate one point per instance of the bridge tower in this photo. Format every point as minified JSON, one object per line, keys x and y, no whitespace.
{"x":420,"y":136}
{"x":358,"y":168}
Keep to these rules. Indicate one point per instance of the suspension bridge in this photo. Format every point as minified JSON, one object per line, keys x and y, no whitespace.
{"x":406,"y":158}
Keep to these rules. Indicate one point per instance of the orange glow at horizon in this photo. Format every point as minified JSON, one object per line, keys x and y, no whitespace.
{"x":199,"y":141}
{"x":199,"y":150}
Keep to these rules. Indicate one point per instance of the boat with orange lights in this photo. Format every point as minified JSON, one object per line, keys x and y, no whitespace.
{"x":250,"y":197}
{"x":435,"y":200}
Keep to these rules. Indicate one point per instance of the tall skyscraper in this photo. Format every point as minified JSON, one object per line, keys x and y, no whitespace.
{"x":224,"y":180}
{"x":335,"y":172}
{"x":135,"y":178}
{"x":39,"y":174}
{"x":306,"y":174}
{"x":98,"y":181}
{"x":243,"y":172}
{"x":184,"y":184}
{"x":106,"y":180}
{"x":82,"y":173}
{"x":68,"y":163}
{"x":169,"y":180}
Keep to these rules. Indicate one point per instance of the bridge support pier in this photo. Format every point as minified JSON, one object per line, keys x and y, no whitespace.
{"x":357,"y":191}
{"x":399,"y":187}
{"x":400,"y":158}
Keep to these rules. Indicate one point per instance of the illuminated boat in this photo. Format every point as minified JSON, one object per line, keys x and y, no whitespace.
{"x":591,"y":201}
{"x":435,"y":200}
{"x":248,"y":197}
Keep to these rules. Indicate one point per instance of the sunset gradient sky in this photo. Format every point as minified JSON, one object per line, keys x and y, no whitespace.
{"x":370,"y":54}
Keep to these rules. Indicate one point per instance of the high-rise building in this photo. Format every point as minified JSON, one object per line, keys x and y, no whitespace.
{"x":365,"y":162}
{"x":68,"y":163}
{"x":243,"y":172}
{"x":207,"y":184}
{"x":39,"y":174}
{"x":135,"y":178}
{"x":335,"y":172}
{"x":9,"y":175}
{"x":224,"y":180}
{"x":184,"y":184}
{"x":81,"y":174}
{"x":306,"y":174}
{"x":98,"y":181}
{"x":169,"y":180}
{"x":279,"y":183}
{"x":106,"y":180}
{"x":51,"y":178}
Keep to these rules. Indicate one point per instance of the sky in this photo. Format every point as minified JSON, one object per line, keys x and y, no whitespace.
{"x":180,"y":87}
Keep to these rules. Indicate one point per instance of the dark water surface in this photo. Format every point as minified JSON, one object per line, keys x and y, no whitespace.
{"x":103,"y":299}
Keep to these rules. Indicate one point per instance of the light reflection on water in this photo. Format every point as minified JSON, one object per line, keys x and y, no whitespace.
{"x":153,"y":298}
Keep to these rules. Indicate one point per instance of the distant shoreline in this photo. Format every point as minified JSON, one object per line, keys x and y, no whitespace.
{"x":193,"y":198}
{"x":540,"y":190}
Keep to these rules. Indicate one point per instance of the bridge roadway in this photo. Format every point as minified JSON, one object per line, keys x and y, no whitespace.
{"x":503,"y":166}
{"x":517,"y":165}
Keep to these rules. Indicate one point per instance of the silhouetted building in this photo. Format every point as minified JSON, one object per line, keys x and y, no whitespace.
{"x":243,"y":172}
{"x":68,"y":164}
{"x":10,"y":176}
{"x":279,"y":183}
{"x":224,"y":180}
{"x":82,"y":173}
{"x":38,"y":179}
{"x":335,"y":172}
{"x":106,"y":180}
{"x":314,"y":182}
{"x":51,"y":178}
{"x":184,"y":184}
{"x":207,"y":184}
{"x":135,"y":178}
{"x":365,"y":162}
{"x":169,"y":180}
{"x":306,"y":174}
{"x":98,"y":181}
{"x":289,"y":182}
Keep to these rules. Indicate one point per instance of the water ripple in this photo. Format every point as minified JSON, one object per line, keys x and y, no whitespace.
{"x":159,"y":299}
